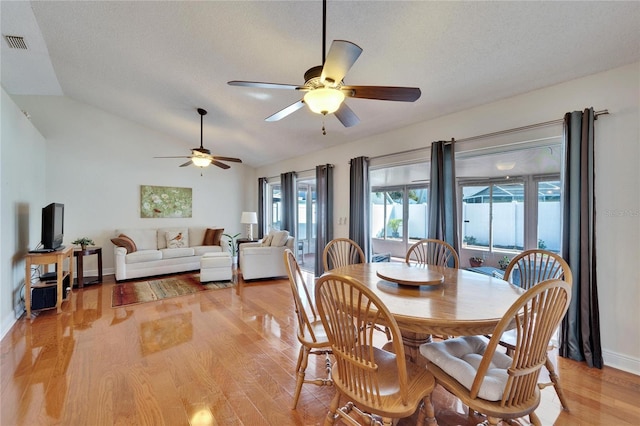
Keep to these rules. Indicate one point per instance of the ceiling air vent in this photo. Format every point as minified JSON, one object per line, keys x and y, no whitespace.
{"x":16,"y":42}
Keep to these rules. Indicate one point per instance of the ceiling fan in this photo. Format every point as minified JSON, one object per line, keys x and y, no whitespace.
{"x":325,"y":88}
{"x":201,"y":157}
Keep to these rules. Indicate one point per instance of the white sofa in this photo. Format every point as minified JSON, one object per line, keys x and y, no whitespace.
{"x":260,"y":261}
{"x":153,"y":257}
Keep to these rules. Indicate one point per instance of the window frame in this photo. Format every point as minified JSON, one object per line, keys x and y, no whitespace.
{"x":530,"y":202}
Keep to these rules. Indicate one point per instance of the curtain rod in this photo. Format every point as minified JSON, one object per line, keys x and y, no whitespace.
{"x":301,"y":171}
{"x":498,"y":133}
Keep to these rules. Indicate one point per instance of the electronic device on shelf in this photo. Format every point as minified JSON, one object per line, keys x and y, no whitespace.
{"x":41,"y":250}
{"x":52,"y":227}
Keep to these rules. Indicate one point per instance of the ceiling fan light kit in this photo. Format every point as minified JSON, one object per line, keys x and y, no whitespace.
{"x":324,"y":100}
{"x":201,"y":161}
{"x":325,"y":87}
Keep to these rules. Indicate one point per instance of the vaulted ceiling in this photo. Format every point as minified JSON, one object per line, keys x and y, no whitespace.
{"x":156,"y":62}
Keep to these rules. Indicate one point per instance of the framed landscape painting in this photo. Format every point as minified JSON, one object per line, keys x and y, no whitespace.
{"x":165,"y":201}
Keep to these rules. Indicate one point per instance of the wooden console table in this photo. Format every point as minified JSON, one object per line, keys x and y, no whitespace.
{"x":46,"y":259}
{"x":79,"y":254}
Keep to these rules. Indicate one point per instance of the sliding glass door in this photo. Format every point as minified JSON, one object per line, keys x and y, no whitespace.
{"x":306,"y":227}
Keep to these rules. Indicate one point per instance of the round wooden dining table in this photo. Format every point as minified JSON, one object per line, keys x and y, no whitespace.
{"x":464,"y":303}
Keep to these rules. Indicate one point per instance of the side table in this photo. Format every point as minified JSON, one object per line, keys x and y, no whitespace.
{"x":240,"y":241}
{"x":79,"y":254}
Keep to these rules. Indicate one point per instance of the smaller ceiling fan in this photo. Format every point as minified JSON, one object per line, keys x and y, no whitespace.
{"x":201,"y":157}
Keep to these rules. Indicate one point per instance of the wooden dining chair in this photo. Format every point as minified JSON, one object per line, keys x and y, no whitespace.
{"x":311,"y":335}
{"x":431,"y":251}
{"x":526,"y":270}
{"x":503,"y":387}
{"x":373,"y":380}
{"x":340,"y":252}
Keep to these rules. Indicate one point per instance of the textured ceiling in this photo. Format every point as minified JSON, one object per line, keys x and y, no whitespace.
{"x":156,"y":62}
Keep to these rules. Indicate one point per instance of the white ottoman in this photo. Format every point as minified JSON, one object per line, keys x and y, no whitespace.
{"x":215,"y":267}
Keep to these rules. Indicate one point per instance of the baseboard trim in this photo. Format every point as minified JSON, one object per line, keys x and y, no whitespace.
{"x":621,"y":362}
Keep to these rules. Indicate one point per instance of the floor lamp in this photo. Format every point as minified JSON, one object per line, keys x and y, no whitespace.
{"x":249,"y":218}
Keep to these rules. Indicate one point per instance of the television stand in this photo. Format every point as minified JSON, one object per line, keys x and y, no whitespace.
{"x":46,"y":259}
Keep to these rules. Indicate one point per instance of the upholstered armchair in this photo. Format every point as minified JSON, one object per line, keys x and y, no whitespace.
{"x":264,"y":259}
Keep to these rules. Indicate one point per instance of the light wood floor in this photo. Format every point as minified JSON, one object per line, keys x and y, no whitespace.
{"x":214,"y":358}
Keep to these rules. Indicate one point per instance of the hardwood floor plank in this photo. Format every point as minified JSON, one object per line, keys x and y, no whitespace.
{"x":216,"y":358}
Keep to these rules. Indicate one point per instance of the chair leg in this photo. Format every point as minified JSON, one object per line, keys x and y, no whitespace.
{"x":534,"y":419}
{"x":426,"y":415}
{"x":303,"y":359}
{"x":333,"y":408}
{"x":556,"y":383}
{"x":495,"y":421}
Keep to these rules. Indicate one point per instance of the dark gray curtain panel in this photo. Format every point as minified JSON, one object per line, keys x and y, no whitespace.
{"x":443,"y":216}
{"x":289,"y":202}
{"x":580,"y":330}
{"x":324,"y":212}
{"x":262,"y":206}
{"x":359,"y":229}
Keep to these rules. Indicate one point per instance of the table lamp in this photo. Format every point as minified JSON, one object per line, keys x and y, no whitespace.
{"x":249,"y":218}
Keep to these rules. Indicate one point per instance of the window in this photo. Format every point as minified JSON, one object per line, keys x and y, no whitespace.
{"x":493,"y":215}
{"x":549,"y":214}
{"x":399,"y":217}
{"x":275,"y":195}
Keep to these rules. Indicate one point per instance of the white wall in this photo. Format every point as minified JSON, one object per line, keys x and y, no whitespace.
{"x":22,"y":168}
{"x":617,"y":181}
{"x":95,"y":164}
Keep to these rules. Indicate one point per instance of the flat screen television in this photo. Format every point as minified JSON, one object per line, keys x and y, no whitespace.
{"x":52,"y":226}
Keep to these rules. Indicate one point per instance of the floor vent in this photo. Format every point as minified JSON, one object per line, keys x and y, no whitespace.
{"x":16,"y":42}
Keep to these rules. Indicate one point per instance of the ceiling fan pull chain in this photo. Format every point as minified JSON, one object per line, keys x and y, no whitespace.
{"x":324,"y":132}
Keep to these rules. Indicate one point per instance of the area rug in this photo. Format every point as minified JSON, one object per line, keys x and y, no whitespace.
{"x":130,"y":293}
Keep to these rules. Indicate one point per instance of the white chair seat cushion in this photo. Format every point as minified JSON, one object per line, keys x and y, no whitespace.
{"x":461,"y":357}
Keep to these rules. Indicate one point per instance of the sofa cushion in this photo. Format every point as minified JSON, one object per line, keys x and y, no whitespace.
{"x":145,"y":239}
{"x":279,"y":238}
{"x":126,"y":242}
{"x":212,"y":236}
{"x":143,"y":256}
{"x":200,"y":250}
{"x":176,"y":239}
{"x":170,"y":253}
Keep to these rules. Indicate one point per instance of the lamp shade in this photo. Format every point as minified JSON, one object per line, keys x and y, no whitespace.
{"x":324,"y":100}
{"x":249,"y":218}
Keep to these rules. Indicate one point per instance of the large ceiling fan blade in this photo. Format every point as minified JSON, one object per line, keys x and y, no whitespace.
{"x":188,"y":163}
{"x":286,"y":111}
{"x":232,"y":159}
{"x":261,"y":85}
{"x":383,"y":93}
{"x":341,"y":57}
{"x":221,"y":165}
{"x":182,"y":156}
{"x":347,"y":117}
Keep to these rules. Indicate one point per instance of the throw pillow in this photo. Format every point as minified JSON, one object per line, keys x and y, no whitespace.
{"x":279,"y":238}
{"x":177,"y":239}
{"x":126,"y":242}
{"x":212,"y":237}
{"x":266,"y":241}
